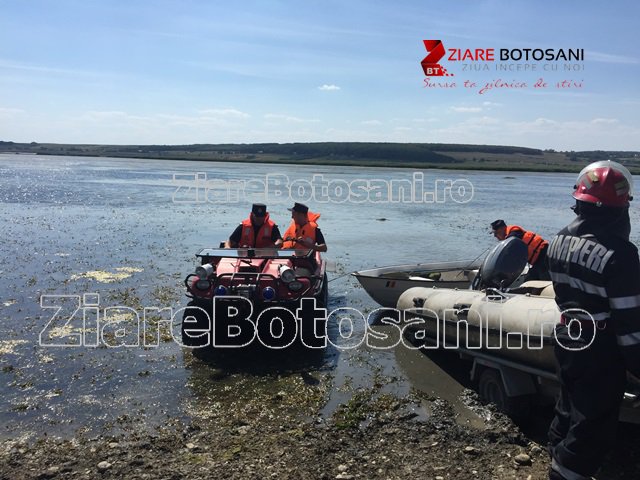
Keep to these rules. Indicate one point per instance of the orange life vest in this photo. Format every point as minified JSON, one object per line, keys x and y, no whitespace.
{"x":533,"y":241}
{"x":307,"y":231}
{"x":264,"y":234}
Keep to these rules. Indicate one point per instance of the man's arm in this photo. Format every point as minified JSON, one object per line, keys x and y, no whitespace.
{"x":276,"y":237}
{"x":234,"y":239}
{"x":623,"y":290}
{"x":320,"y":245}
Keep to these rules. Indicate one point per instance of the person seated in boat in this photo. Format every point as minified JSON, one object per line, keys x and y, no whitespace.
{"x":257,"y":231}
{"x":304,"y":233}
{"x":536,"y":247}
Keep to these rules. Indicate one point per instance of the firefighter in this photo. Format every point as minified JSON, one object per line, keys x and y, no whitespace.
{"x":257,"y":231}
{"x":536,"y":247}
{"x":596,"y":277}
{"x":304,"y":233}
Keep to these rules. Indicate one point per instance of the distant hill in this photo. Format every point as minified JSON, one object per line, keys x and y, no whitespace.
{"x":415,"y":155}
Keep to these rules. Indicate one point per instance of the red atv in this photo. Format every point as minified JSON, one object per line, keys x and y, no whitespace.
{"x":253,"y":279}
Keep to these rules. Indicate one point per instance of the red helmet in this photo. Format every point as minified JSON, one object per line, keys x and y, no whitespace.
{"x":604,"y":183}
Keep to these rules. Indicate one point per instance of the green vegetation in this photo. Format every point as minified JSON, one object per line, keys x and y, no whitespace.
{"x":363,"y":405}
{"x":402,"y":155}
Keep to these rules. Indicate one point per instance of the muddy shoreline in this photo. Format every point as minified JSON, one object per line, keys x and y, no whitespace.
{"x":251,"y":420}
{"x":241,"y":432}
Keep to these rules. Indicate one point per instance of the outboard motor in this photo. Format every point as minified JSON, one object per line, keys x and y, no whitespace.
{"x":503,"y":265}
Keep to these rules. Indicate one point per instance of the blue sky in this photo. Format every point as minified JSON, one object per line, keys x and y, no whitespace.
{"x":197,"y":71}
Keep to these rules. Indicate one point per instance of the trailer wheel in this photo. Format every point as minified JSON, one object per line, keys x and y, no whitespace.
{"x":491,"y":390}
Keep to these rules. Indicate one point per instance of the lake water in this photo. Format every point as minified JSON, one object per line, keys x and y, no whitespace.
{"x":136,"y":225}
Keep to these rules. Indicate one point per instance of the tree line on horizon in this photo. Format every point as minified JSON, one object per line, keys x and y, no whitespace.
{"x":433,"y":153}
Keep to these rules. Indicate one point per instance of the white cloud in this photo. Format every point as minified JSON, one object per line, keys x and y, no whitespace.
{"x":609,"y":58}
{"x":288,"y":118}
{"x":224,"y":112}
{"x":607,"y":121}
{"x":109,"y":119}
{"x":485,"y":121}
{"x":404,"y":121}
{"x":97,"y":115}
{"x":28,"y":67}
{"x":9,"y":112}
{"x":329,"y":88}
{"x":466,"y":109}
{"x":573,"y":134}
{"x":122,"y":127}
{"x":543,"y":122}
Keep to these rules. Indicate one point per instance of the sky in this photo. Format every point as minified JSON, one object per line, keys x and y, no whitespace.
{"x":204,"y":71}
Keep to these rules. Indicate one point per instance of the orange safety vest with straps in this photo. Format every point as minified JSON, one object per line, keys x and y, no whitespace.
{"x":532,"y":240}
{"x":306,"y":231}
{"x":264,"y":234}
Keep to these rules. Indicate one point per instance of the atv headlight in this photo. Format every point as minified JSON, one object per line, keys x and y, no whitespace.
{"x":287,"y":274}
{"x":203,"y":284}
{"x":295,"y":285}
{"x":204,"y":271}
{"x":268,"y":293}
{"x":221,"y":290}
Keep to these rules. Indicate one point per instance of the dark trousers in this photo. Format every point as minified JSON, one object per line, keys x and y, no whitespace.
{"x":592,"y":386}
{"x":539,"y":270}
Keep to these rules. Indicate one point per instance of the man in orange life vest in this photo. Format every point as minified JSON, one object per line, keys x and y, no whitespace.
{"x":257,"y":231}
{"x":536,"y":245}
{"x":304,"y":232}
